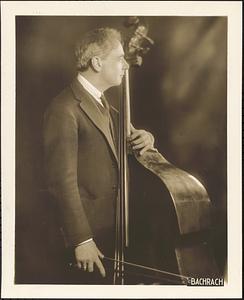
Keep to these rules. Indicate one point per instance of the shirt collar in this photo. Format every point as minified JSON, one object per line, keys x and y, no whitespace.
{"x":89,"y":87}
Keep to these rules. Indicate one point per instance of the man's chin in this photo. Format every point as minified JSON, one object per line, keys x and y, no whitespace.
{"x":118,"y":82}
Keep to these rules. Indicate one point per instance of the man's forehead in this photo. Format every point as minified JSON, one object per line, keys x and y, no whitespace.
{"x":117,"y":50}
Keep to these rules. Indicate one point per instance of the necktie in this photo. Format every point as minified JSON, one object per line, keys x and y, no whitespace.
{"x":105,"y":103}
{"x":106,"y":110}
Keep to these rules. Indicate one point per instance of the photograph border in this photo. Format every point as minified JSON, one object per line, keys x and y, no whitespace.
{"x":233,"y":11}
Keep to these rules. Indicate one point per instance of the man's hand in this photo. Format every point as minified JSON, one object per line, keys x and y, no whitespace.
{"x":140,"y":140}
{"x":87,"y":255}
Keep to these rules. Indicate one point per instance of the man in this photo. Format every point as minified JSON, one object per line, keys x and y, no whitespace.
{"x":81,"y":143}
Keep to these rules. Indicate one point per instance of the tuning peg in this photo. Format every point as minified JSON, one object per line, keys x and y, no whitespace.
{"x":139,"y":32}
{"x":145,"y":50}
{"x":131,"y":21}
{"x":136,"y":61}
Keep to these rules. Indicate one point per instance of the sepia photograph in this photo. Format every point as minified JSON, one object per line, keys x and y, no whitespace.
{"x":124,"y":168}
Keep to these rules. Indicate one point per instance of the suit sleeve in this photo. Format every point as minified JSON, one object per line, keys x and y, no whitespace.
{"x":61,"y":155}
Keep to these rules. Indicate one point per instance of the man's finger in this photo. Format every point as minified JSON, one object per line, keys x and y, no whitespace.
{"x":139,"y":140}
{"x":139,"y":146}
{"x":100,"y":267}
{"x":100,"y":253}
{"x":144,"y":149}
{"x":90,"y":266}
{"x":134,"y":135}
{"x":84,"y":266}
{"x":78,"y":264}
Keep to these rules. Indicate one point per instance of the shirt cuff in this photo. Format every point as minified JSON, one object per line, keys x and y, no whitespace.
{"x":84,"y":242}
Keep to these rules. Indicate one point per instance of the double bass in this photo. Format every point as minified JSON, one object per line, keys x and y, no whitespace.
{"x":163,"y":215}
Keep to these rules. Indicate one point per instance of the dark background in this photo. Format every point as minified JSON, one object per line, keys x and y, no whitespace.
{"x":179,"y":94}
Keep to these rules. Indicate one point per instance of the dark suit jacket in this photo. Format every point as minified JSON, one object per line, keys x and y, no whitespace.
{"x":81,"y":163}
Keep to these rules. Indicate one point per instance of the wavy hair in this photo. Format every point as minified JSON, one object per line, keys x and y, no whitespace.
{"x":96,"y":42}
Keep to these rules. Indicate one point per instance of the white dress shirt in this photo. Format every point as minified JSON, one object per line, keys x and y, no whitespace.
{"x":91,"y":89}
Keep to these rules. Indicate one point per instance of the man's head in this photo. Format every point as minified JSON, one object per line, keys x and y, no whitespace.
{"x":100,"y":54}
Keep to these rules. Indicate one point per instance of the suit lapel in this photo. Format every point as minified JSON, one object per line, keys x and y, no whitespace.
{"x":92,"y":111}
{"x":115,"y":119}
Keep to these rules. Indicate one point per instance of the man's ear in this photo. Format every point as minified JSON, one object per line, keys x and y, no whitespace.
{"x":96,"y":63}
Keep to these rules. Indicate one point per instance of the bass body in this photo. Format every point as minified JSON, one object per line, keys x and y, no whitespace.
{"x":169,"y":223}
